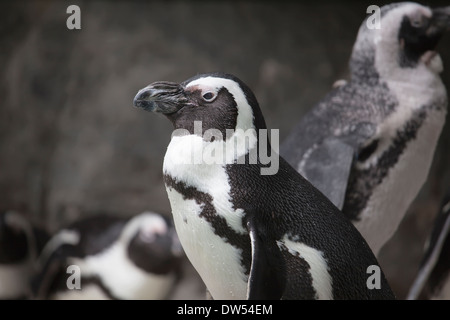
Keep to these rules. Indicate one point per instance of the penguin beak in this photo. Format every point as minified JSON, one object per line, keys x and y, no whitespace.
{"x":441,"y":20}
{"x":161,"y":96}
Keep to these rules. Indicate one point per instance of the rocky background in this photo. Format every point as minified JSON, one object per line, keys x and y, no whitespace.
{"x":71,"y":143}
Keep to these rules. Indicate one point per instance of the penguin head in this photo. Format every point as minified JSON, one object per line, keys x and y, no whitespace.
{"x":219,"y":101}
{"x":14,"y":242}
{"x":153,"y":244}
{"x":405,"y":38}
{"x":419,"y":34}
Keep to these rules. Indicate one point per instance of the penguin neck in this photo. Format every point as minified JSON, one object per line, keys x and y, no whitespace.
{"x":197,"y":148}
{"x":362,"y":65}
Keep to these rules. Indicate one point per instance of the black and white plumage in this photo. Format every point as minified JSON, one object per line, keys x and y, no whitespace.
{"x":118,"y":258}
{"x":369,"y":143}
{"x":20,"y":243}
{"x":433,"y":277}
{"x":248,"y":234}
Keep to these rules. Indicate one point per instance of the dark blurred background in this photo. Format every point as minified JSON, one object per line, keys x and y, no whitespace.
{"x":71,"y":143}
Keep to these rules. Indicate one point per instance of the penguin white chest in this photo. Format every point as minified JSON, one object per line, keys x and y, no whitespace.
{"x":218,"y":262}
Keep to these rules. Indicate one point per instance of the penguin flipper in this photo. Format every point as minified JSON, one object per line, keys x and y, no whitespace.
{"x":328,"y":168}
{"x":266,"y":281}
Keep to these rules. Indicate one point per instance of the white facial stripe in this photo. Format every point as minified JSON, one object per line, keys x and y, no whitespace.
{"x":391,"y":22}
{"x":245,"y":113}
{"x":145,"y":221}
{"x":321,"y":279}
{"x":203,"y":88}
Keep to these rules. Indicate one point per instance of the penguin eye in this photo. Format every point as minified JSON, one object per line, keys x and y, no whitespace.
{"x":209,"y":96}
{"x":416,"y":23}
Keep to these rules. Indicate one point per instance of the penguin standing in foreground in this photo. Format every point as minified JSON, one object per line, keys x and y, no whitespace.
{"x":117,"y":258}
{"x":433,"y":278}
{"x":369,"y":143}
{"x":20,"y":244}
{"x":250,"y":224}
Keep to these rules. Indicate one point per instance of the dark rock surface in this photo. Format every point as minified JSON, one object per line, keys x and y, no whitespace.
{"x":72,"y":144}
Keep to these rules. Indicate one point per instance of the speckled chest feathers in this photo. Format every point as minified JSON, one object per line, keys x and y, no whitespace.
{"x":251,"y":234}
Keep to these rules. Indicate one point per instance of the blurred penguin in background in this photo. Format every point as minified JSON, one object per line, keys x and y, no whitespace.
{"x":368,"y":144}
{"x":20,"y":243}
{"x":433,"y":278}
{"x":109,"y":257}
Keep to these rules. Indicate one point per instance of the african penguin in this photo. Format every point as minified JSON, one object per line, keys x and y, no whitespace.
{"x":433,"y":277}
{"x":369,"y":143}
{"x":20,"y":243}
{"x":249,"y":232}
{"x":118,"y":258}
